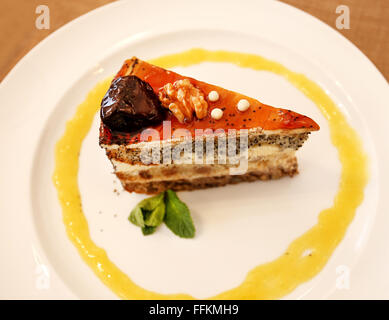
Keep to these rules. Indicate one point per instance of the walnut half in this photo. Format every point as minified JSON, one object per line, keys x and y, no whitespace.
{"x":183,"y":99}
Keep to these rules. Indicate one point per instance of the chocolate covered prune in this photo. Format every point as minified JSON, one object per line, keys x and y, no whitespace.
{"x":130,"y":104}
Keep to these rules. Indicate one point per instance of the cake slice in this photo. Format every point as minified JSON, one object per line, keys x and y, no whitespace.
{"x":162,"y":130}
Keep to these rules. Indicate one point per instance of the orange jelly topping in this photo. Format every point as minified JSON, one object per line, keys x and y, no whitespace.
{"x":258,"y":115}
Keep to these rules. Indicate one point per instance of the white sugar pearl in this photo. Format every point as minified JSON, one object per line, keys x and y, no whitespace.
{"x":217,"y":113}
{"x":243,"y":105}
{"x":213,"y":96}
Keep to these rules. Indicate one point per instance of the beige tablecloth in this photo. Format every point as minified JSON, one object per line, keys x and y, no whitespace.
{"x":369,"y":25}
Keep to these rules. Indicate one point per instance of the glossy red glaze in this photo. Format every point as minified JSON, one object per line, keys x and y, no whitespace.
{"x":258,"y":115}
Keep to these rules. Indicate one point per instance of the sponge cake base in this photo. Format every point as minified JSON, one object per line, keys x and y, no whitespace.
{"x":262,"y":172}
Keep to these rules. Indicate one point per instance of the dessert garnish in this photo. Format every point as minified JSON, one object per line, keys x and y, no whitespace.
{"x":183,"y":99}
{"x":165,"y":207}
{"x":213,"y":96}
{"x":217,"y":113}
{"x":243,"y":105}
{"x":130,"y":104}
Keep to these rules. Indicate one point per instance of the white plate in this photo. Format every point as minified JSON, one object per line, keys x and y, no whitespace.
{"x":238,"y":227}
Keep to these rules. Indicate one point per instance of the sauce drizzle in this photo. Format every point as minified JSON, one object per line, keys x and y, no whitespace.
{"x":268,"y":281}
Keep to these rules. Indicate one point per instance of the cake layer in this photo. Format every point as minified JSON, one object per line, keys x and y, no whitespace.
{"x":132,"y":153}
{"x":265,"y":173}
{"x":148,"y":173}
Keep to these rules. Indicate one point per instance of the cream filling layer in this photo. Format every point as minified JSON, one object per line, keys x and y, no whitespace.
{"x":146,"y":173}
{"x":190,"y":156}
{"x":176,"y":139}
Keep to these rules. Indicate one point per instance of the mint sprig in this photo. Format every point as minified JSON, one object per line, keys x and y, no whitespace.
{"x":149,"y":213}
{"x":165,"y":207}
{"x":177,"y":217}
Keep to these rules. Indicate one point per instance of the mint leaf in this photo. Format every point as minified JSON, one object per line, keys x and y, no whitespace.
{"x":177,"y":216}
{"x":149,"y":204}
{"x":136,"y":217}
{"x":148,"y":230}
{"x":149,"y":213}
{"x":154,"y":218}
